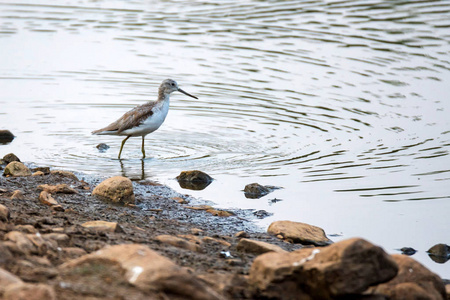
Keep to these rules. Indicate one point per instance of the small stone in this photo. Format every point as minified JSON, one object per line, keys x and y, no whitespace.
{"x":261,"y":214}
{"x":6,"y":137}
{"x":21,"y":240}
{"x":178,"y":242}
{"x":115,"y":189}
{"x":26,"y":228}
{"x":38,"y":173}
{"x":299,"y":233}
{"x":4,"y":213}
{"x":58,"y":207}
{"x":10,"y":157}
{"x":61,"y":238}
{"x":59,"y":188}
{"x":257,"y":247}
{"x":211,"y":240}
{"x":28,"y":291}
{"x":102,"y":147}
{"x":64,"y":174}
{"x":47,"y":199}
{"x":408,"y":251}
{"x":194,"y":180}
{"x":242,"y":234}
{"x":196,"y":231}
{"x":180,"y":200}
{"x":103,"y":226}
{"x":16,"y":169}
{"x":219,"y":213}
{"x":73,"y":252}
{"x":6,"y":279}
{"x":45,"y":170}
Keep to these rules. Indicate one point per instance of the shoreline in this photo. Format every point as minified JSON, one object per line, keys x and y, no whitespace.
{"x":43,"y":243}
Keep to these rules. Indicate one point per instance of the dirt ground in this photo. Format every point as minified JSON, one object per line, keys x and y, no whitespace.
{"x":157,"y":211}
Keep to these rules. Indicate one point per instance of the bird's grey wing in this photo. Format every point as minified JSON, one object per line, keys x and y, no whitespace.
{"x":135,"y":117}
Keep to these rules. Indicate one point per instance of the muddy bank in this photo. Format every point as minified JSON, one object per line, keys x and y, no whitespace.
{"x":169,"y":246}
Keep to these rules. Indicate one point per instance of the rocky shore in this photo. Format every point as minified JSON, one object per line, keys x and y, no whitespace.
{"x":63,"y":236}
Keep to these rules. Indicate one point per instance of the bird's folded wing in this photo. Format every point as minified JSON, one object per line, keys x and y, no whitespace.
{"x":134,"y":117}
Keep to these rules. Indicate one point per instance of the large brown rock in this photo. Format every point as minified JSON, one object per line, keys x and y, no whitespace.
{"x":413,"y":281}
{"x":339,"y":270}
{"x":116,"y":189}
{"x":257,"y":247}
{"x":145,"y":269}
{"x":297,"y":232}
{"x":16,"y":169}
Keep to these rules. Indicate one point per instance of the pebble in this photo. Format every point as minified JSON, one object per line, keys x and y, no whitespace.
{"x":4,"y":213}
{"x":47,"y":199}
{"x":194,"y":180}
{"x":17,"y":195}
{"x":103,"y":226}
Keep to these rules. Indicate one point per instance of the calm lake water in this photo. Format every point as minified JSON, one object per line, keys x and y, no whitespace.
{"x":344,"y":104}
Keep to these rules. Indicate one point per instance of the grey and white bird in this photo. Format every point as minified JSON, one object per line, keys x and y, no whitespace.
{"x":145,"y":118}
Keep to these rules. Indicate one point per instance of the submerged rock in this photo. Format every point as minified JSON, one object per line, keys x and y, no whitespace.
{"x":102,"y":147}
{"x":16,"y":169}
{"x":116,"y":189}
{"x":408,"y":251}
{"x":413,"y":281}
{"x":10,"y":157}
{"x":439,"y":253}
{"x":256,"y":191}
{"x":194,"y":180}
{"x":338,"y":271}
{"x":297,"y":232}
{"x":261,"y":214}
{"x":6,"y":137}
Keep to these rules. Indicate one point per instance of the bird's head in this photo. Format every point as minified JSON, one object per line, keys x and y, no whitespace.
{"x":169,"y":86}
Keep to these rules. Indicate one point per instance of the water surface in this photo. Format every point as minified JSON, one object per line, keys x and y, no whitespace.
{"x":344,"y":104}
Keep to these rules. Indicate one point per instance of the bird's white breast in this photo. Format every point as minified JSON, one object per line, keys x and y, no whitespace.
{"x":152,"y":123}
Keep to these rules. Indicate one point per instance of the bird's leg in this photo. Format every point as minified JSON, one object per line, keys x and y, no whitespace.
{"x":143,"y":149}
{"x":123,"y":143}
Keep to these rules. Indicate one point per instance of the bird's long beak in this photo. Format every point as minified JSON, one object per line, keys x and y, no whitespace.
{"x":180,"y":90}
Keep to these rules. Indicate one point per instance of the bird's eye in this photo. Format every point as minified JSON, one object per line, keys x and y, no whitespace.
{"x":173,"y":84}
